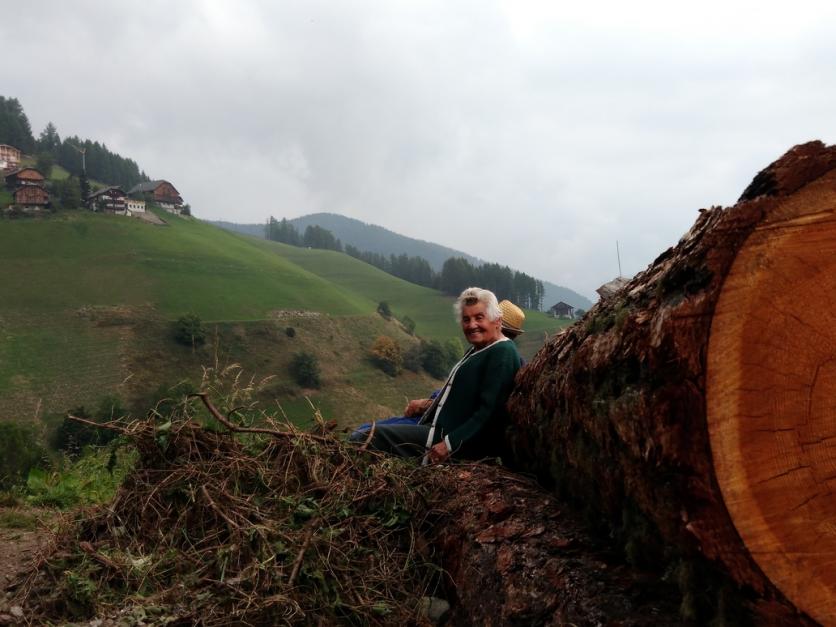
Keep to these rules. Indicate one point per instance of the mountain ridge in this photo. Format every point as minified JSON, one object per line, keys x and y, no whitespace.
{"x":377,"y":239}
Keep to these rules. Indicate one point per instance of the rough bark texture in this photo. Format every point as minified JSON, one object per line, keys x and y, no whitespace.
{"x":515,"y":556}
{"x":613,"y":410}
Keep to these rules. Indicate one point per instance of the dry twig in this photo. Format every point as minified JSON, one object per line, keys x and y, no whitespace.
{"x":99,"y":425}
{"x":201,"y":506}
{"x":369,"y":437}
{"x":297,"y":563}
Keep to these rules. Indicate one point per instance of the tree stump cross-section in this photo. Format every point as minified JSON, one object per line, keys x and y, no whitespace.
{"x":771,"y":396}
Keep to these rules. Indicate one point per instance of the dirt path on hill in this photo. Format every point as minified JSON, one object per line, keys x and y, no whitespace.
{"x":22,"y":534}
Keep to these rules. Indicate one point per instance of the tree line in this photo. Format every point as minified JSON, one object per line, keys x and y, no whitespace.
{"x":456,"y":274}
{"x":101,"y":164}
{"x":313,"y":237}
{"x":49,"y":149}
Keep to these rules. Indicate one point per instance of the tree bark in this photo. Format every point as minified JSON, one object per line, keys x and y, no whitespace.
{"x":515,"y":556}
{"x":695,"y":406}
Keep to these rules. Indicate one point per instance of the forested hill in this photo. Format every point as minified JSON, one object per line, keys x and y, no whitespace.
{"x":49,"y":149}
{"x":376,"y":239}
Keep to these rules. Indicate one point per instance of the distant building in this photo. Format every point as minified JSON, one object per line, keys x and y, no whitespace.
{"x":28,"y":187}
{"x":9,"y":157}
{"x":134,"y":206}
{"x":162,"y":193}
{"x":109,"y":200}
{"x":562,"y":310}
{"x":31,"y":196}
{"x":24,"y":176}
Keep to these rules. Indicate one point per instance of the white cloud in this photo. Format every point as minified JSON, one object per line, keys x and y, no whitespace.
{"x":531,"y":133}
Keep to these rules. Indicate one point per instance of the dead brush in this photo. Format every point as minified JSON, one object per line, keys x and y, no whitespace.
{"x":243,"y":525}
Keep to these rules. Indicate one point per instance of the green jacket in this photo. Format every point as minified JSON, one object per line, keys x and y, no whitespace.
{"x":474,"y":411}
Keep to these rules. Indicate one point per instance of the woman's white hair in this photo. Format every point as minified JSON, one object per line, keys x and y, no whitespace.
{"x":473,"y":295}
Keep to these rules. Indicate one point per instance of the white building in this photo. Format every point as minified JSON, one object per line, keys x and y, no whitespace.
{"x":134,"y":206}
{"x":9,"y":157}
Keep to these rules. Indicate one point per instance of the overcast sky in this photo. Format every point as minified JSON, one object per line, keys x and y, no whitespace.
{"x":534,"y":134}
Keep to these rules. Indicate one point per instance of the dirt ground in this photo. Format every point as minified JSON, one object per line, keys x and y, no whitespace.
{"x":23,"y":531}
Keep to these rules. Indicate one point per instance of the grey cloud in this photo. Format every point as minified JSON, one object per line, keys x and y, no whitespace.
{"x":533,"y":140}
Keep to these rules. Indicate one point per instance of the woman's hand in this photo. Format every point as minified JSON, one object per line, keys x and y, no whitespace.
{"x":438,"y":453}
{"x":417,"y":407}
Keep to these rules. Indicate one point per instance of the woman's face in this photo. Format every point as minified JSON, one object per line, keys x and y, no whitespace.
{"x":477,"y":328}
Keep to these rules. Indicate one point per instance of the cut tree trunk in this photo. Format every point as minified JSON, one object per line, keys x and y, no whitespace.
{"x":696,"y":406}
{"x":516,"y":556}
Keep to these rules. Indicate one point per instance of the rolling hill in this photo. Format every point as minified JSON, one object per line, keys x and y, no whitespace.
{"x":87,"y":304}
{"x":376,"y":239}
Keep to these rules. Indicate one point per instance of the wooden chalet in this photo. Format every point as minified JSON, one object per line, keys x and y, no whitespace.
{"x":161,"y":192}
{"x":108,"y":199}
{"x":9,"y":157}
{"x":28,"y":186}
{"x":31,"y":196}
{"x":562,"y":310}
{"x":24,"y":176}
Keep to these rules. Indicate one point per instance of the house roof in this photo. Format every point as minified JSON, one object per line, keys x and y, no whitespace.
{"x":561,"y":305}
{"x":105,"y":190}
{"x":148,"y":186}
{"x":19,"y":170}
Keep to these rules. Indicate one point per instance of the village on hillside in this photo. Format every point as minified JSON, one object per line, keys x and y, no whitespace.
{"x":28,"y":189}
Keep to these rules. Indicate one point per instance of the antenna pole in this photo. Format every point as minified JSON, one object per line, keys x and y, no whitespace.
{"x":83,"y":152}
{"x":618,"y":255}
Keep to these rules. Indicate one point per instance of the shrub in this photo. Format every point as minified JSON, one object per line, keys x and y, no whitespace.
{"x":19,"y":453}
{"x":189,"y":330}
{"x":384,"y":310}
{"x":92,"y":478}
{"x":72,"y":436}
{"x":452,"y":352}
{"x":437,"y":358}
{"x":387,"y":355}
{"x":305,"y":370}
{"x":44,"y":162}
{"x":290,"y":332}
{"x":434,"y":359}
{"x":164,"y":398}
{"x":408,"y":324}
{"x":412,"y":358}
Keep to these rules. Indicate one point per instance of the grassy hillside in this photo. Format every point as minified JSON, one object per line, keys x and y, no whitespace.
{"x":431,"y":311}
{"x":87,"y":304}
{"x":58,"y":173}
{"x":376,"y":239}
{"x":79,"y":259}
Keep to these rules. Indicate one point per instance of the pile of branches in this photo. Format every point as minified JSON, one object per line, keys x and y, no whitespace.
{"x":236,"y":525}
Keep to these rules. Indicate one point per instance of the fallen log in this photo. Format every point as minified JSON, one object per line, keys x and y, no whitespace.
{"x":695,"y":406}
{"x":514,"y":555}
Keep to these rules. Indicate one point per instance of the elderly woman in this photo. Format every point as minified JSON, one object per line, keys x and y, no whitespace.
{"x":467,"y":418}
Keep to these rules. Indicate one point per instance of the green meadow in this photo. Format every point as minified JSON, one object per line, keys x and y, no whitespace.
{"x":87,"y":304}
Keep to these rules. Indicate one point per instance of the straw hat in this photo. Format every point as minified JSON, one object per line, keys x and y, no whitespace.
{"x":512,"y":317}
